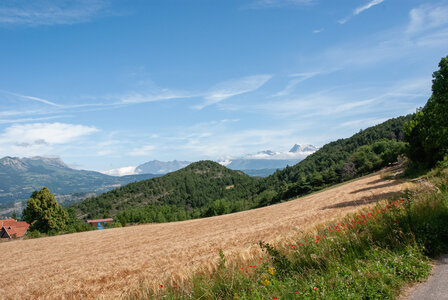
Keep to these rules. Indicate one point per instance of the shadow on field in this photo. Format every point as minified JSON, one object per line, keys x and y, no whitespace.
{"x":366,"y":200}
{"x":384,"y":185}
{"x":376,"y":181}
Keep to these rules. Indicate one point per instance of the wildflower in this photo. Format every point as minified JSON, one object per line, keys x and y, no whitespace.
{"x":265,"y":282}
{"x":275,"y":297}
{"x":315,"y":289}
{"x":161,"y":286}
{"x":396,"y":222}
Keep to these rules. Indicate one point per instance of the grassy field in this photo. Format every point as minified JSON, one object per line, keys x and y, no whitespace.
{"x":371,"y":254}
{"x":113,"y":262}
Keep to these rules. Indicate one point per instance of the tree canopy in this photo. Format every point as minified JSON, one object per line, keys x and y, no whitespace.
{"x":427,"y":132}
{"x":44,"y":213}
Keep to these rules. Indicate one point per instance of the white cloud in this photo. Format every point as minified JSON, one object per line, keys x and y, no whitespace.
{"x":26,"y":120}
{"x":43,"y":138}
{"x":318,"y":30}
{"x":278,"y":3}
{"x":135,"y":98}
{"x":363,"y":123}
{"x":143,"y":151}
{"x":40,"y":100}
{"x":427,"y":17}
{"x":298,"y":78}
{"x":214,"y":140}
{"x":51,"y":133}
{"x":347,"y":101}
{"x":121,"y":171}
{"x":232,"y":88}
{"x":427,"y":29}
{"x":360,"y":9}
{"x":41,"y":12}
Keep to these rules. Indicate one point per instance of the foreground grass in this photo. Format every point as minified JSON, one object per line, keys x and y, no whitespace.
{"x":370,"y":255}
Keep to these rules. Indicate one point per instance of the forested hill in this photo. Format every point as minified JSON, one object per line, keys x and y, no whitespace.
{"x":200,"y":189}
{"x":364,"y":152}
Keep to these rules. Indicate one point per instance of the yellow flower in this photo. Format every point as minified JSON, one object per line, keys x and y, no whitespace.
{"x":265,"y":282}
{"x":271,"y":271}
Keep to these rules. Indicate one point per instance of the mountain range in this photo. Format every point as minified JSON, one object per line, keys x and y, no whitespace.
{"x":261,"y":164}
{"x":270,"y":160}
{"x":19,"y":177}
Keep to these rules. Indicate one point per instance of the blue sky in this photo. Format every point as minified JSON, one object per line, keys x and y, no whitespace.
{"x":108,"y":84}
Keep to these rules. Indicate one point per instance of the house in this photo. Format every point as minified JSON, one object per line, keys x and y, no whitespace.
{"x":100,"y":223}
{"x":11,"y":229}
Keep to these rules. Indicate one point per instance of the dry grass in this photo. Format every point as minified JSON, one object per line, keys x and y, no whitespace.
{"x":104,"y":264}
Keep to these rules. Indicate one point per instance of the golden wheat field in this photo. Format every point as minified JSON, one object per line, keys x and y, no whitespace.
{"x":105,"y":264}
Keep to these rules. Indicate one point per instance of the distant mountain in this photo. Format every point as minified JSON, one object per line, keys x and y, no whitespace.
{"x":161,"y":167}
{"x":269,"y":159}
{"x":150,"y":167}
{"x":19,"y":177}
{"x":259,"y":172}
{"x":303,"y":149}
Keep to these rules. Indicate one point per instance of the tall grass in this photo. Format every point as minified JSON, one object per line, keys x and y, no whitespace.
{"x":370,"y":255}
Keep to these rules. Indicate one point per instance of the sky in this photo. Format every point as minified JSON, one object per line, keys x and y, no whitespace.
{"x":106,"y":84}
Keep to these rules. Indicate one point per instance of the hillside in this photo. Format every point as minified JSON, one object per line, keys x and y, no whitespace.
{"x":187,"y":193}
{"x":103,"y":264}
{"x":364,"y":152}
{"x":19,"y":177}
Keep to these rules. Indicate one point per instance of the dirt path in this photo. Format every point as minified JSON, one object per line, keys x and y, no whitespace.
{"x":436,"y":288}
{"x":105,"y":263}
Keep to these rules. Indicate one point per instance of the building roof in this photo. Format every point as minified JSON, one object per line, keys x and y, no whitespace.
{"x":100,"y":220}
{"x":14,"y":228}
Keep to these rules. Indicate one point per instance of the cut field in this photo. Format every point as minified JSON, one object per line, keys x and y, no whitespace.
{"x":104,"y":264}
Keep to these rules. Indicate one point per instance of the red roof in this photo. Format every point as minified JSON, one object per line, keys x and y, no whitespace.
{"x":14,"y":228}
{"x":100,"y":220}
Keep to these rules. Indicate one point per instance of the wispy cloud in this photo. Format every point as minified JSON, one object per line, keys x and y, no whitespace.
{"x":318,"y":31}
{"x":41,"y":138}
{"x":42,"y":12}
{"x":130,"y":170}
{"x":214,"y":95}
{"x":33,"y":99}
{"x":143,"y":151}
{"x":162,"y":95}
{"x":360,"y":9}
{"x":298,"y":78}
{"x":347,"y":101}
{"x":427,"y":17}
{"x":27,"y":120}
{"x":232,"y":88}
{"x":426,"y":29}
{"x":51,"y":133}
{"x":257,"y":4}
{"x":363,"y":123}
{"x":372,"y":3}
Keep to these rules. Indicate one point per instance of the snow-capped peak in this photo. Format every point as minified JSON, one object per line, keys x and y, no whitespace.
{"x":298,"y":148}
